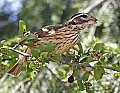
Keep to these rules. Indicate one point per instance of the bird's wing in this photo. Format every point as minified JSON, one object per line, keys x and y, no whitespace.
{"x":50,"y":30}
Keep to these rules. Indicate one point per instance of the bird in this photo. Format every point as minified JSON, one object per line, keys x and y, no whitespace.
{"x":64,"y":36}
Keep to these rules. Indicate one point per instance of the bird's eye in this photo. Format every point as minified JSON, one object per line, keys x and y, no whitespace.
{"x":84,"y":16}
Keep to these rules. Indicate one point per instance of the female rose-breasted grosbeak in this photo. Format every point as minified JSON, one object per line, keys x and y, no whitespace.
{"x":64,"y":36}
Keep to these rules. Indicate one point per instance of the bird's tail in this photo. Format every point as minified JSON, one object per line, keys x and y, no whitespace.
{"x":15,"y":70}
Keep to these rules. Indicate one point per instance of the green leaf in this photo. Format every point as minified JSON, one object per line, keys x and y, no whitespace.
{"x":1,"y":44}
{"x":44,"y":55}
{"x":22,"y":26}
{"x":85,"y":76}
{"x":29,"y":69}
{"x":23,"y":68}
{"x":32,"y":75}
{"x":35,"y":52}
{"x":31,"y":36}
{"x":98,"y":46}
{"x":80,"y":48}
{"x":42,"y":47}
{"x":82,"y":59}
{"x":116,"y":74}
{"x":102,"y":58}
{"x":89,"y":59}
{"x":50,"y":47}
{"x":106,"y":55}
{"x":57,"y":58}
{"x":33,"y":65}
{"x":90,"y":91}
{"x":98,"y":73}
{"x":102,"y":71}
{"x":116,"y":66}
{"x":81,"y":85}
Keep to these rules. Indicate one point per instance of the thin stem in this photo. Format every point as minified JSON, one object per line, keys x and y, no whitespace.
{"x":100,"y":13}
{"x":93,"y":5}
{"x":16,"y":45}
{"x":19,"y":52}
{"x":87,"y":65}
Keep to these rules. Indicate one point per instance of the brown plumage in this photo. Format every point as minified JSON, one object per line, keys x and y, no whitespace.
{"x":65,"y":36}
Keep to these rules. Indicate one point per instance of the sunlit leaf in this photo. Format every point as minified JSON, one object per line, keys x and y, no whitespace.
{"x":116,"y":66}
{"x":116,"y":74}
{"x":32,"y":75}
{"x":32,"y":65}
{"x":22,"y":26}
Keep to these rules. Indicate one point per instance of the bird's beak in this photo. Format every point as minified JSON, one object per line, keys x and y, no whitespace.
{"x":92,"y":20}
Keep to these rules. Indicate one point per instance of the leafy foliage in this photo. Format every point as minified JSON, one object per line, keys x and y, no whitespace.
{"x":88,"y":66}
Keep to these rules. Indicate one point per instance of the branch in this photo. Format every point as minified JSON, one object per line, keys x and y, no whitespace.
{"x":111,"y":68}
{"x":3,"y":78}
{"x":86,"y":65}
{"x":19,"y":52}
{"x":100,"y":13}
{"x":16,"y":45}
{"x":75,"y":65}
{"x":93,"y":5}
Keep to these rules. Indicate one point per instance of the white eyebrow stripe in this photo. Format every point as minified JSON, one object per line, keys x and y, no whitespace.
{"x":78,"y":16}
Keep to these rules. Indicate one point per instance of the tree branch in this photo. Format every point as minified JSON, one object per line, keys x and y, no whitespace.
{"x":19,"y":52}
{"x":86,"y":65}
{"x":75,"y":65}
{"x":93,"y":5}
{"x":100,"y":13}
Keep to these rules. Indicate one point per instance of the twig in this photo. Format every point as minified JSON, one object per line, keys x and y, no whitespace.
{"x":93,"y":5}
{"x":19,"y":52}
{"x":19,"y":43}
{"x":111,"y":68}
{"x":75,"y":65}
{"x":3,"y":78}
{"x":86,"y":65}
{"x":16,"y":45}
{"x":100,"y":13}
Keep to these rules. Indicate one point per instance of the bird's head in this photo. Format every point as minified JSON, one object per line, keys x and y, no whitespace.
{"x":82,"y":18}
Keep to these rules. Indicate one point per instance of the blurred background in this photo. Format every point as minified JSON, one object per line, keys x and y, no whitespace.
{"x":39,"y":13}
